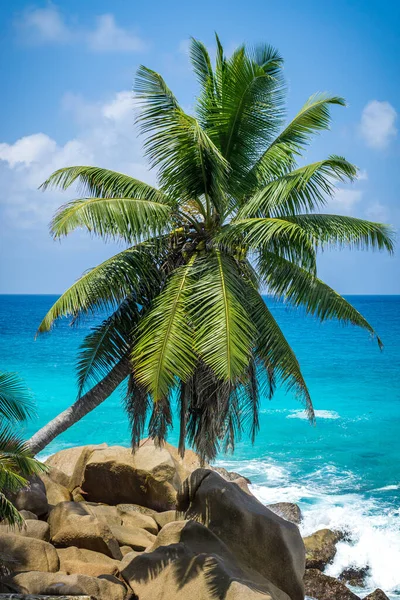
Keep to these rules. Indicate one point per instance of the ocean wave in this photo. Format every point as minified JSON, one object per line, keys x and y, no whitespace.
{"x":320,"y":414}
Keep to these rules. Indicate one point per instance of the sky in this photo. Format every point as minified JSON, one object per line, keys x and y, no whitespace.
{"x":68,"y":70}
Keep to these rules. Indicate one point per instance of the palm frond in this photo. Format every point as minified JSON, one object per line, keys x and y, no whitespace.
{"x":137,"y":404}
{"x":103,"y":183}
{"x":127,"y":219}
{"x":106,"y":345}
{"x":105,"y":286}
{"x":189,"y":165}
{"x":280,"y":156}
{"x":274,"y":351}
{"x":15,"y":399}
{"x":303,"y":189}
{"x":223,"y":329}
{"x":340,"y":231}
{"x":164,"y":347}
{"x":300,"y":288}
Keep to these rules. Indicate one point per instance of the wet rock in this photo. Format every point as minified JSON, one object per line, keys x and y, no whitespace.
{"x":322,"y":587}
{"x":287,"y":510}
{"x":355,"y":576}
{"x":321,"y":548}
{"x":378,"y":594}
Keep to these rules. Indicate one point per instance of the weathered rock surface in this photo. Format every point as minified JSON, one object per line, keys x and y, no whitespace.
{"x":113,"y":475}
{"x":287,"y":510}
{"x":321,"y":548}
{"x":32,"y":528}
{"x":59,"y":584}
{"x":229,"y":475}
{"x":378,"y":594}
{"x":136,"y":519}
{"x":86,"y":562}
{"x":33,"y":498}
{"x":28,"y":554}
{"x":354,"y":576}
{"x":322,"y":587}
{"x":136,"y":538}
{"x":55,"y":492}
{"x":168,"y":516}
{"x":71,"y":524}
{"x":189,"y":561}
{"x":259,"y":540}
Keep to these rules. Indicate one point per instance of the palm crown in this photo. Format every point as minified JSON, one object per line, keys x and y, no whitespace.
{"x":233,"y":213}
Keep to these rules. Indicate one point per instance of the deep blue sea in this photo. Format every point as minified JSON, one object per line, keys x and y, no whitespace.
{"x":344,"y":472}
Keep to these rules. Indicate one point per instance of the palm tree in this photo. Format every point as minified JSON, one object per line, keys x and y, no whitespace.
{"x":233,"y":213}
{"x":16,"y":461}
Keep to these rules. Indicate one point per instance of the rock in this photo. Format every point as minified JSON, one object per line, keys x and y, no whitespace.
{"x":259,"y":540}
{"x":61,"y":584}
{"x":28,"y":554}
{"x":28,"y":515}
{"x":103,"y":512}
{"x":137,"y":519}
{"x":165,"y":517}
{"x":72,"y":524}
{"x":136,"y":538}
{"x":33,"y":498}
{"x":320,"y":548}
{"x":230,"y":475}
{"x":144,"y":510}
{"x":127,"y":550}
{"x":114,"y":475}
{"x":355,"y":576}
{"x":287,"y":510}
{"x":189,"y":561}
{"x":32,"y":528}
{"x":55,"y":492}
{"x":58,"y":476}
{"x":378,"y":594}
{"x":86,"y":562}
{"x":322,"y":587}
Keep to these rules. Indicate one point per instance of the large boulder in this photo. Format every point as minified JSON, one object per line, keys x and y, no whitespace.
{"x":321,"y":548}
{"x":32,"y":528}
{"x":61,"y":584}
{"x":189,"y":561}
{"x":86,"y":562}
{"x":168,"y":516}
{"x":150,"y":477}
{"x":32,"y":498}
{"x":71,"y":524}
{"x":322,"y":587}
{"x":355,"y":576}
{"x":28,"y":554}
{"x":260,"y":540}
{"x":287,"y":510}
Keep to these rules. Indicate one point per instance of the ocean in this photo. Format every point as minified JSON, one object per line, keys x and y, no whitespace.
{"x":344,"y":472}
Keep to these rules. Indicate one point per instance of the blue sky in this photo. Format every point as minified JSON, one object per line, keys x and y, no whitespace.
{"x":66,"y":99}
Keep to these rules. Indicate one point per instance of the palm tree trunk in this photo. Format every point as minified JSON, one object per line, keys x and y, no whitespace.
{"x":100,"y":392}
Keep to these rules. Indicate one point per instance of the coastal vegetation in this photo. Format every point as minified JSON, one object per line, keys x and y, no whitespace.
{"x":235,"y":212}
{"x":16,"y":461}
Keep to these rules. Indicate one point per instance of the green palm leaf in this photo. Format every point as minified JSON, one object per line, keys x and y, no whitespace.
{"x":164,"y":348}
{"x":105,"y":286}
{"x":15,"y":400}
{"x":129,"y":219}
{"x":301,"y":288}
{"x":223,"y":329}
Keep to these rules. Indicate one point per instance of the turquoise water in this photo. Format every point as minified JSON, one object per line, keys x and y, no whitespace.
{"x":344,"y":472}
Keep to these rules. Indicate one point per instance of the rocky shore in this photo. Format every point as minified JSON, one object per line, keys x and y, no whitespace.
{"x":111,"y":525}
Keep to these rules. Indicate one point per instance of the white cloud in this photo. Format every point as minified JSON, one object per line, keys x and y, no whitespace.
{"x":344,"y":201}
{"x":48,"y":26}
{"x":377,"y":125}
{"x":377,"y":212}
{"x":108,"y":139}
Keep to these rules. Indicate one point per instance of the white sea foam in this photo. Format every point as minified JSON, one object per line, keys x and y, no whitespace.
{"x":320,"y":414}
{"x":374,"y":530}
